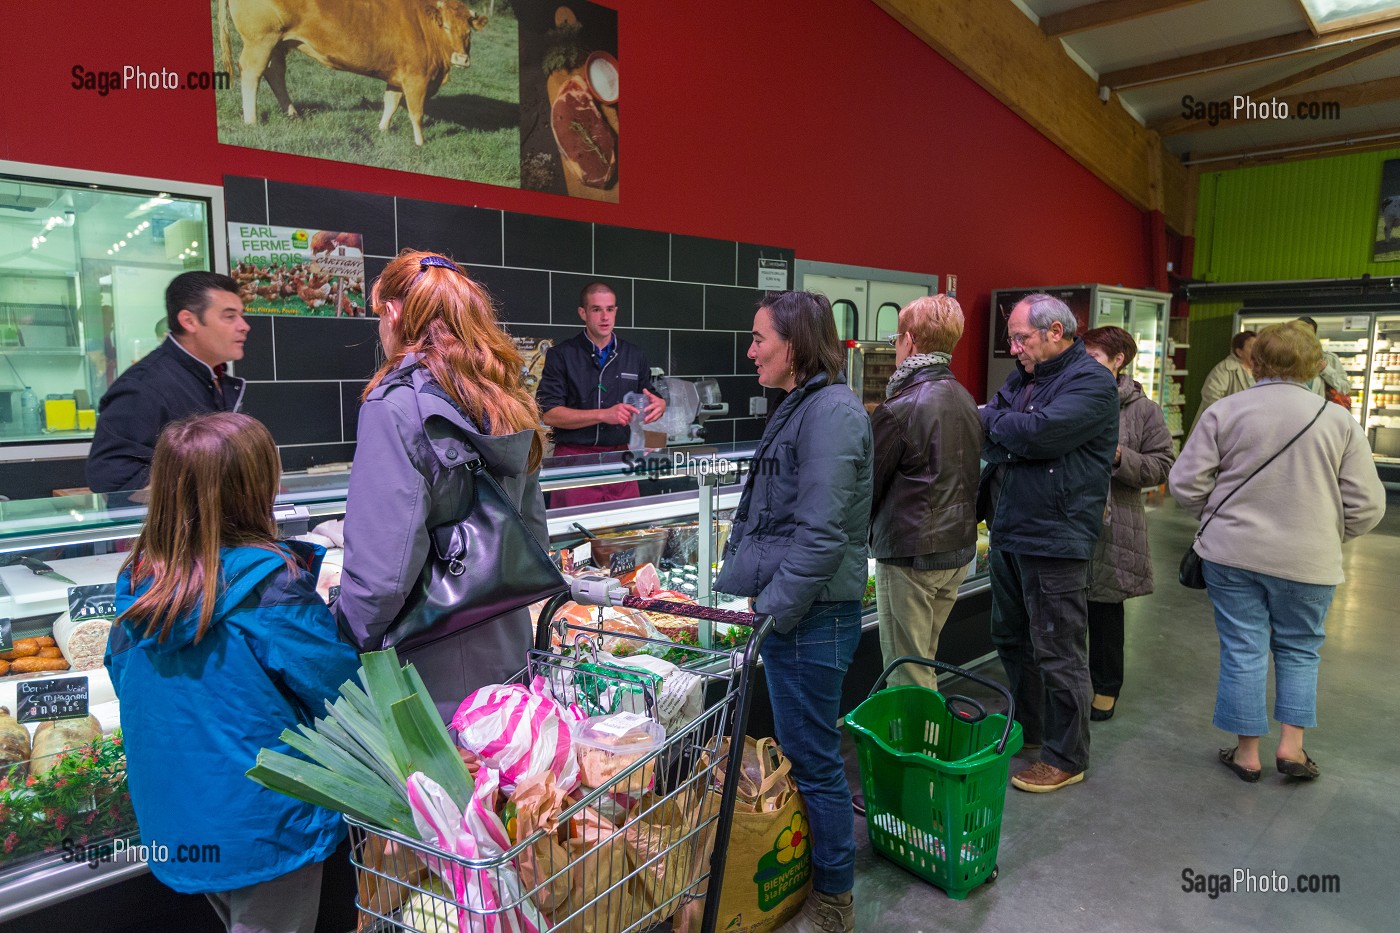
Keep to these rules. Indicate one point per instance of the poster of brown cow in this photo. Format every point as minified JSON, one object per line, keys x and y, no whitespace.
{"x":522,"y":93}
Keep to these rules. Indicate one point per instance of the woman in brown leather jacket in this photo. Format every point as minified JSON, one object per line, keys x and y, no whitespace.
{"x":923,"y":528}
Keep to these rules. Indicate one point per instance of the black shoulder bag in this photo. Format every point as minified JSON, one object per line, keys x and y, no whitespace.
{"x":1192,"y":573}
{"x":484,"y":565}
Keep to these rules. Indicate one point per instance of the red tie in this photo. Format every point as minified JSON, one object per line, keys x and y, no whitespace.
{"x":219,"y":372}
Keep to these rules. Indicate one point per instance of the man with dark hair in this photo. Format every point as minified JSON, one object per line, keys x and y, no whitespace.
{"x":582,"y":390}
{"x":1333,"y":376}
{"x":1051,"y":432}
{"x":186,"y":375}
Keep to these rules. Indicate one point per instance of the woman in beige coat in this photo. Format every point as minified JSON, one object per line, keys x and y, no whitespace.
{"x":1122,"y":564}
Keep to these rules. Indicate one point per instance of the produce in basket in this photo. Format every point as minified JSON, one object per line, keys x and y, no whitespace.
{"x":365,"y":749}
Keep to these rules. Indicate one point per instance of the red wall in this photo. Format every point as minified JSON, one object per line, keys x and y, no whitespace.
{"x":825,"y":126}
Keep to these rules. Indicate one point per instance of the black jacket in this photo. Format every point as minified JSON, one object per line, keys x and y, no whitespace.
{"x":927,"y":443}
{"x":1049,"y":446}
{"x":165,"y":385}
{"x":572,"y":378}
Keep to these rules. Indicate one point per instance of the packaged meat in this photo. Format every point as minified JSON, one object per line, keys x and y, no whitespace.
{"x":83,"y":642}
{"x":607,"y":745}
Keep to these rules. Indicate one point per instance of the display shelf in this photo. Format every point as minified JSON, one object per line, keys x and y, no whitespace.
{"x":1177,"y":372}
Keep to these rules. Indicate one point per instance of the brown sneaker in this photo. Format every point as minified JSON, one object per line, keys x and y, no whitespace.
{"x":1041,"y":778}
{"x":823,"y":913}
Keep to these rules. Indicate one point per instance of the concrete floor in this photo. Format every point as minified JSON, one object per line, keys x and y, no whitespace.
{"x":1109,"y":854}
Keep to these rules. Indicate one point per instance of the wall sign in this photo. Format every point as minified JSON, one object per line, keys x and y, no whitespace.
{"x":952,"y":286}
{"x":297,"y":270}
{"x":773,"y":275}
{"x":59,"y":698}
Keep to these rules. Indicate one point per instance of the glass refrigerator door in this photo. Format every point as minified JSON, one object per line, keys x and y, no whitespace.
{"x":1346,"y":335}
{"x":1147,"y":322}
{"x":1383,"y":399}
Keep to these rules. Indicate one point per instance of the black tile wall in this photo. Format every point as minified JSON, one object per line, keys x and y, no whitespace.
{"x":291,"y":205}
{"x":729,"y":308}
{"x":296,"y":412}
{"x":521,"y":295}
{"x":700,"y":259}
{"x":703,"y":353}
{"x":643,"y":254}
{"x":245,"y":199}
{"x":681,"y":299}
{"x":257,"y":362}
{"x":467,"y":234}
{"x":564,"y":292}
{"x":548,"y":243}
{"x":326,"y":348}
{"x":669,"y":304}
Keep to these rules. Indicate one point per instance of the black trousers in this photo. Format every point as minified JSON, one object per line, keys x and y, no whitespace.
{"x":1106,"y":647}
{"x":1039,"y":620}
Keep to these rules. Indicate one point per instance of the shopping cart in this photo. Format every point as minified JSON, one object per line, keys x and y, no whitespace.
{"x":933,"y":770}
{"x":631,"y":879}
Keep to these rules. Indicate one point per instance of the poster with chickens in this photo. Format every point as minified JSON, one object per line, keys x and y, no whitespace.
{"x":294,"y":270}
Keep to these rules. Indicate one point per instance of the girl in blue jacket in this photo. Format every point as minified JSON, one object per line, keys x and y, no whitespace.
{"x":221,"y":643}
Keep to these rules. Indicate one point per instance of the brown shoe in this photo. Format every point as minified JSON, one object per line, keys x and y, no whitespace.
{"x":1041,"y":778}
{"x":823,"y":913}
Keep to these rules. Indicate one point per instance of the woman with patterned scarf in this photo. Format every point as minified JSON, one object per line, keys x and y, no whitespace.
{"x":923,"y":526}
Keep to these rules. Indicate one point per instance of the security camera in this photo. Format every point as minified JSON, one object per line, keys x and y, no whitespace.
{"x":1104,"y":92}
{"x":69,"y":218}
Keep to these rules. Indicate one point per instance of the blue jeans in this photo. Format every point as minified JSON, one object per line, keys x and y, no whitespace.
{"x":1255,"y":614}
{"x":805,"y":669}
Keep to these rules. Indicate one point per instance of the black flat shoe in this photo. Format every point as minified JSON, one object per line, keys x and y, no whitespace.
{"x":1101,"y":715}
{"x":1248,"y":775}
{"x":1305,"y":770}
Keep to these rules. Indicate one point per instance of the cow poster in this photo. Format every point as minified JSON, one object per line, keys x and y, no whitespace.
{"x":292,"y":270}
{"x":519,"y":93}
{"x":1387,"y":243}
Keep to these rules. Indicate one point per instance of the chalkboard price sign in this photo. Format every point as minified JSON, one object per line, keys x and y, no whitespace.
{"x":622,"y":562}
{"x":58,"y":698}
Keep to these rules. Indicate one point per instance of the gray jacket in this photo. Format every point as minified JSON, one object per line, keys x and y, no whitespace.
{"x":1122,"y":566}
{"x":801,"y":527}
{"x":408,"y":478}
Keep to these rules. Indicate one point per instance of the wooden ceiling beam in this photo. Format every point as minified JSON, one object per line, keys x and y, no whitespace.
{"x":1179,"y":124}
{"x":1344,"y":97}
{"x":1296,"y":150}
{"x":995,"y":44}
{"x":1236,"y":56}
{"x":1104,"y":13}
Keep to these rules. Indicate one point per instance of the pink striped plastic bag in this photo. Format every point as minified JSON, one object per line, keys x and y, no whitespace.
{"x":519,"y":732}
{"x":494,"y":899}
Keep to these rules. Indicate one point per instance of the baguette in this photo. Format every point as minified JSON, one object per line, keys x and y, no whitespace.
{"x":35,"y":665}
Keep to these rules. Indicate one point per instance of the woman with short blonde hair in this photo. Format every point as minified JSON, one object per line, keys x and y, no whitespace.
{"x":934,"y":323}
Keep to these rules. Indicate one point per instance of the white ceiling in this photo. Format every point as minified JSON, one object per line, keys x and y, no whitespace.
{"x":1213,"y":24}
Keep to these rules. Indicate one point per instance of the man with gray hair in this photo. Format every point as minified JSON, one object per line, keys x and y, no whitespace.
{"x":1051,"y":432}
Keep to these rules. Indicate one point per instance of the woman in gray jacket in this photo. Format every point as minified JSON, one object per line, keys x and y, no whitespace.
{"x":798,"y":549}
{"x":1122,"y":563}
{"x":450,"y":386}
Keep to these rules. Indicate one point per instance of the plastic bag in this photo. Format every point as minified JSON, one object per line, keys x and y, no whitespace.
{"x":519,"y":731}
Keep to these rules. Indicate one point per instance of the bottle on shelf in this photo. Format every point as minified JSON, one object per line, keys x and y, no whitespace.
{"x":29,"y":411}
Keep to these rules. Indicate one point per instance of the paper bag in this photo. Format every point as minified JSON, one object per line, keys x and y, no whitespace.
{"x":598,"y":868}
{"x":536,"y":805}
{"x":380,"y":894}
{"x":662,"y":857}
{"x":768,"y":871}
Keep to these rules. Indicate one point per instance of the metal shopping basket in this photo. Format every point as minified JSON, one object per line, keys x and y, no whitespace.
{"x":632,"y":879}
{"x":934,"y":770}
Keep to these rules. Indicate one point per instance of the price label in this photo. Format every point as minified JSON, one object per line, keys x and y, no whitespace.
{"x":773,"y":274}
{"x":58,"y":698}
{"x":333,"y":594}
{"x":98,"y":601}
{"x":7,"y":640}
{"x":622,"y":562}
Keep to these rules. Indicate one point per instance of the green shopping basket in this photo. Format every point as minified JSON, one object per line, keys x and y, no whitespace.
{"x":934,"y":771}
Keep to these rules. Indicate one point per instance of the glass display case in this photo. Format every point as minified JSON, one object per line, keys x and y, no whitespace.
{"x":84,"y":261}
{"x":1142,"y":313}
{"x":50,"y":545}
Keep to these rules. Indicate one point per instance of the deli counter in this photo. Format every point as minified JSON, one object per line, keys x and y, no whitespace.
{"x":57,"y":861}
